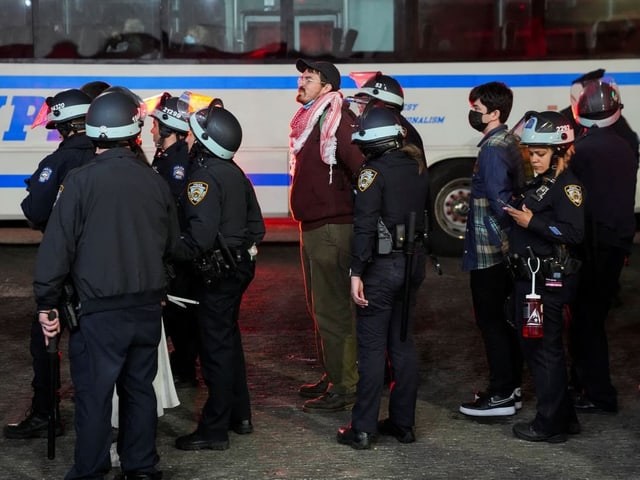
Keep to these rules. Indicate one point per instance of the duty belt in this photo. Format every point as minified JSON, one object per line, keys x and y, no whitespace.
{"x":550,"y":267}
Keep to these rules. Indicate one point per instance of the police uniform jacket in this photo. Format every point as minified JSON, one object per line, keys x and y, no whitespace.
{"x":173,"y":164}
{"x":607,"y":167}
{"x":389,"y":187}
{"x":43,"y":185}
{"x":558,"y":215}
{"x":220,"y":199}
{"x":111,"y":226}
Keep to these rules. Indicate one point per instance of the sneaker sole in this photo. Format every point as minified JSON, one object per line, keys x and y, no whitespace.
{"x":493,"y":412}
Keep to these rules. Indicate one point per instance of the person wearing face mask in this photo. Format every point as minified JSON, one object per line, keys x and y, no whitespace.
{"x":549,"y":228}
{"x":497,"y":174}
{"x":323,"y":162}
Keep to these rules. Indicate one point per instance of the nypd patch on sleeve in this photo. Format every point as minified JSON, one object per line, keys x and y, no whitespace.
{"x":196,"y":191}
{"x":366,"y":178}
{"x":574,"y":194}
{"x":45,"y":175}
{"x":178,"y":172}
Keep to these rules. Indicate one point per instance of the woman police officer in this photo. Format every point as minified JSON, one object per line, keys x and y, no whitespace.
{"x":549,"y":225}
{"x":391,"y":185}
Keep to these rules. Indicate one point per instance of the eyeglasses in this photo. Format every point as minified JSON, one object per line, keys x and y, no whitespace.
{"x":308,"y":79}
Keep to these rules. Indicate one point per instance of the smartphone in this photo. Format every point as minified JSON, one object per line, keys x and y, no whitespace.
{"x":505,"y":204}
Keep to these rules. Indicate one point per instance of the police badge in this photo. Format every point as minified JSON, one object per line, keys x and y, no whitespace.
{"x":574,"y":193}
{"x":366,"y":178}
{"x":196,"y":191}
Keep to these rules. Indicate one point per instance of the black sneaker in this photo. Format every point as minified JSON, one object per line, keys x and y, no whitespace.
{"x":329,"y":402}
{"x":33,"y":426}
{"x":517,"y":397}
{"x":485,"y":405}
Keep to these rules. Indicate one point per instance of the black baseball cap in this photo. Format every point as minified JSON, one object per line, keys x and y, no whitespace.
{"x":328,"y":69}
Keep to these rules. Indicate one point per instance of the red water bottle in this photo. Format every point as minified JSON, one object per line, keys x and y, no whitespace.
{"x":533,"y":326}
{"x":532,"y":312}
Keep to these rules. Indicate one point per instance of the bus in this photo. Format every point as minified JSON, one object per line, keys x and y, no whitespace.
{"x":244,"y":52}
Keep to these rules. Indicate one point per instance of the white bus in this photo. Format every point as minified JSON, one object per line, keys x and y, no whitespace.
{"x":244,"y":52}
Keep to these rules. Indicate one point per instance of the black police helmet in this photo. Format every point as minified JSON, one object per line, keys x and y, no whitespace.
{"x":171,"y":112}
{"x":599,"y":103}
{"x":379,"y":130}
{"x":217,"y":129}
{"x":384,"y":88}
{"x":114,"y":115}
{"x":66,"y":105}
{"x":94,"y":88}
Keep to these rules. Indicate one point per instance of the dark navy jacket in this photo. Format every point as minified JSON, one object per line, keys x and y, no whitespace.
{"x":45,"y":181}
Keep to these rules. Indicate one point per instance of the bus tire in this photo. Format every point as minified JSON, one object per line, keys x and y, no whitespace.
{"x":450,"y":185}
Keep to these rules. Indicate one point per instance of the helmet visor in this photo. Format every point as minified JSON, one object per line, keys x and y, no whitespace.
{"x":41,"y":117}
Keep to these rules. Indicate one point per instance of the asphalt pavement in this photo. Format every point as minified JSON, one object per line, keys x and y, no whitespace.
{"x":290,"y":444}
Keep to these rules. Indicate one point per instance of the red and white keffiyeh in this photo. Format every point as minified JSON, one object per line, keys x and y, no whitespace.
{"x":305,"y":119}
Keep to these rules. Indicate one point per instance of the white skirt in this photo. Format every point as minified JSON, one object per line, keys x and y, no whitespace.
{"x":166,"y":395}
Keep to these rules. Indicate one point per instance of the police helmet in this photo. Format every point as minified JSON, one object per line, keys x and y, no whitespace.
{"x":379,"y":130}
{"x":114,"y":115}
{"x":599,"y":103}
{"x":171,"y":113}
{"x":384,"y":88}
{"x":217,"y":129}
{"x":66,"y":105}
{"x":547,"y":129}
{"x":94,"y":88}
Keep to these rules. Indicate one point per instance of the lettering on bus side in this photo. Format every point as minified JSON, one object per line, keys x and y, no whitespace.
{"x":25,"y":108}
{"x":432,"y":119}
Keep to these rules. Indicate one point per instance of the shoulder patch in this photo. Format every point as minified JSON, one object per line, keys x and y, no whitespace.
{"x":45,"y":175}
{"x":366,"y":178}
{"x":178,"y":172}
{"x":574,"y":194}
{"x":196,"y":191}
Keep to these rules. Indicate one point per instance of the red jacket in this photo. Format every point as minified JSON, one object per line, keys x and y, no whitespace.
{"x":313,"y":200}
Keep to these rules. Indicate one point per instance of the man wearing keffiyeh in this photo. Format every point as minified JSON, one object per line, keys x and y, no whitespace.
{"x":322,"y":163}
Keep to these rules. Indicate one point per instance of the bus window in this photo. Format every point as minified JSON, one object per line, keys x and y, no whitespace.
{"x":188,"y":33}
{"x":16,"y":35}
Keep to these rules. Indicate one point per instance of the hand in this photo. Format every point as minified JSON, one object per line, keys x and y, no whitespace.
{"x":50,"y":328}
{"x":357,"y":292}
{"x":521,"y":217}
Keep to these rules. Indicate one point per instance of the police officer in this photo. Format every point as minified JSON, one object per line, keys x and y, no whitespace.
{"x":621,"y":126}
{"x":113,"y":224}
{"x":388,"y":90}
{"x":391,"y":184}
{"x":607,"y":166}
{"x":66,"y":113}
{"x":170,"y":130}
{"x":549,"y":226}
{"x":224,"y":225}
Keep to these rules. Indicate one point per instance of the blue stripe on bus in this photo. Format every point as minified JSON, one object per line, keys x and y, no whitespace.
{"x":289,"y":82}
{"x":258,"y":180}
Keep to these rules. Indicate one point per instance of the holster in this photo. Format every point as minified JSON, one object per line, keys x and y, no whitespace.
{"x":214,"y":266}
{"x":69,"y":307}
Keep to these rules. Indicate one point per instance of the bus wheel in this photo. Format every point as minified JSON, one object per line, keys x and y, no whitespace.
{"x":450,"y":184}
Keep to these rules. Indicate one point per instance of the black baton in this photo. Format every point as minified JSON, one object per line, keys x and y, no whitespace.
{"x":52,"y":350}
{"x":408,"y":254}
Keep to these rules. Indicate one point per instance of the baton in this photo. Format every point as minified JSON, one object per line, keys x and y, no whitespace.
{"x":52,"y":350}
{"x":408,"y":254}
